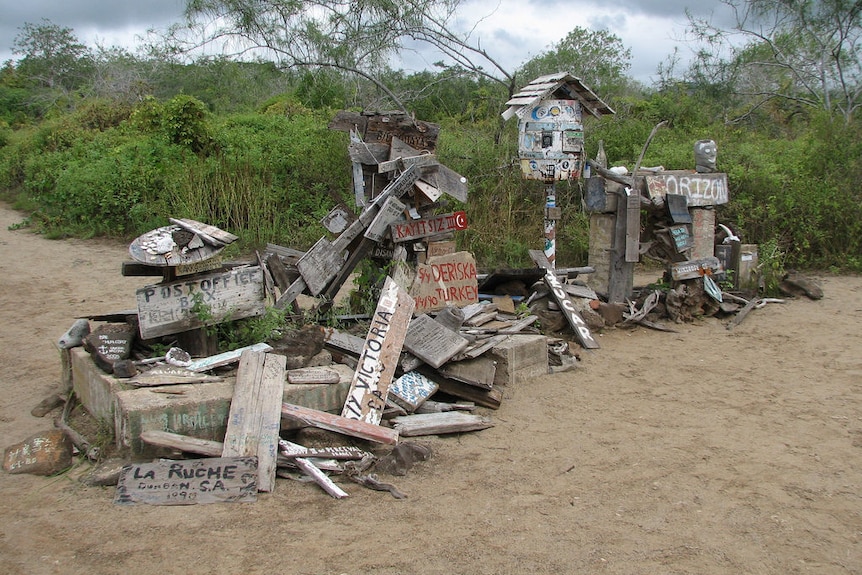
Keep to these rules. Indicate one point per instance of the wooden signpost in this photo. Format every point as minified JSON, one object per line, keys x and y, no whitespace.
{"x":695,"y":268}
{"x":366,"y":399}
{"x":167,"y":308}
{"x":187,"y":482}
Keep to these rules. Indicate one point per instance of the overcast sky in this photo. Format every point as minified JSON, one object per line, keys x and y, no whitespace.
{"x":512,"y":31}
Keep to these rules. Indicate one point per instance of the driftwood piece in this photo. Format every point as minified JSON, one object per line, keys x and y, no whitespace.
{"x":756,"y":303}
{"x":320,"y":478}
{"x":440,"y":423}
{"x":313,"y":375}
{"x":90,"y":451}
{"x":226,"y":358}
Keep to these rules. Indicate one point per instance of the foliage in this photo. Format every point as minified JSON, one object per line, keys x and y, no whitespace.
{"x":251,"y":330}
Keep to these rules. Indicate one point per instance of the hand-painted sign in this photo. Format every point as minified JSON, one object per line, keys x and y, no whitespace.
{"x":169,"y":308}
{"x":700,"y":189}
{"x":379,"y":358}
{"x":415,"y":229}
{"x":445,"y":280}
{"x":579,"y":326}
{"x":187,"y":482}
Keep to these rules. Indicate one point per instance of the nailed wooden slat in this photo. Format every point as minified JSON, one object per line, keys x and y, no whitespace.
{"x":226,"y":358}
{"x":254,"y":420}
{"x":479,"y":371}
{"x":366,"y":399}
{"x":183,"y":442}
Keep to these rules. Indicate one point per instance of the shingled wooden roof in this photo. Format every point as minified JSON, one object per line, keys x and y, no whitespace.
{"x":560,"y":85}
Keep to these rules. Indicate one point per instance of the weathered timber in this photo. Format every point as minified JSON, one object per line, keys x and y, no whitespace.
{"x":338,"y":452}
{"x":319,"y":265}
{"x":633,"y":227}
{"x":165,"y":309}
{"x":187,"y":482}
{"x":320,"y":478}
{"x":432,"y":342}
{"x":366,"y":399}
{"x":254,"y":420}
{"x":391,"y":211}
{"x":209,"y":233}
{"x":422,"y":161}
{"x":289,"y":254}
{"x":440,"y":177}
{"x":577,"y":323}
{"x":183,"y":443}
{"x":343,"y":425}
{"x":479,"y":371}
{"x":170,"y":375}
{"x":490,"y":398}
{"x":695,"y":268}
{"x":439,"y":423}
{"x":313,"y":375}
{"x":226,"y":358}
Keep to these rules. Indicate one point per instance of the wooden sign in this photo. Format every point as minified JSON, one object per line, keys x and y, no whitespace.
{"x":695,"y":268}
{"x":432,"y":342}
{"x":445,"y":280}
{"x":165,"y":309}
{"x":435,"y":225}
{"x":255,"y":413}
{"x":700,"y":189}
{"x":681,"y":236}
{"x":579,"y":326}
{"x":338,"y":424}
{"x":366,"y":399}
{"x":187,"y":482}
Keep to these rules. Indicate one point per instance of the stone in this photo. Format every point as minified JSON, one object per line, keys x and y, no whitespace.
{"x":110,"y":343}
{"x":44,"y":453}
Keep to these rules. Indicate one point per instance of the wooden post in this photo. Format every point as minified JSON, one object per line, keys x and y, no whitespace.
{"x":551,"y":223}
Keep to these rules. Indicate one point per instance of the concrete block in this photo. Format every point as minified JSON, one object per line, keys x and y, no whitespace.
{"x":703,"y":232}
{"x":519,"y":359}
{"x":94,"y":388}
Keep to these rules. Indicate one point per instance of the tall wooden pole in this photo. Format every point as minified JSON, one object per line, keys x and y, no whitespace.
{"x":550,"y":223}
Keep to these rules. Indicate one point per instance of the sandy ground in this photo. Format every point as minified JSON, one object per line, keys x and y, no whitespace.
{"x":706,"y":451}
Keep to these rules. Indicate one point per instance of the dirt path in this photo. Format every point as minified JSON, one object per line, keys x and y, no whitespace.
{"x":707,"y":451}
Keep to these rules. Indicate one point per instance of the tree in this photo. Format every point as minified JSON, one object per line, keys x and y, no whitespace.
{"x":357,"y":36}
{"x":52,"y":56}
{"x":599,"y":58}
{"x":806,"y":52}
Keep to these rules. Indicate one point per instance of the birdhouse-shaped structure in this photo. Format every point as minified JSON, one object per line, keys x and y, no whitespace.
{"x":550,"y":129}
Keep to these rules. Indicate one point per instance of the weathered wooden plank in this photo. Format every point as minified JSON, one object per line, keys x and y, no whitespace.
{"x":447,"y":180}
{"x":158,"y":248}
{"x":633,"y":227}
{"x":338,"y":452}
{"x":187,"y":482}
{"x":313,"y":375}
{"x":226,"y":358}
{"x":366,"y":399}
{"x":290,"y":254}
{"x":431,"y":226}
{"x":320,"y":478}
{"x":169,"y":375}
{"x":183,"y":443}
{"x":391,"y":211}
{"x":165,"y":309}
{"x":579,"y":326}
{"x":479,"y":371}
{"x":432,"y":342}
{"x":254,"y":420}
{"x":210,"y":234}
{"x":440,"y":423}
{"x":695,"y":268}
{"x":338,"y":424}
{"x":421,"y":161}
{"x":432,"y":193}
{"x":319,"y":265}
{"x":491,"y":398}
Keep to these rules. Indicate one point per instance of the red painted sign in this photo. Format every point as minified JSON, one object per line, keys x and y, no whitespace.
{"x":414,"y":229}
